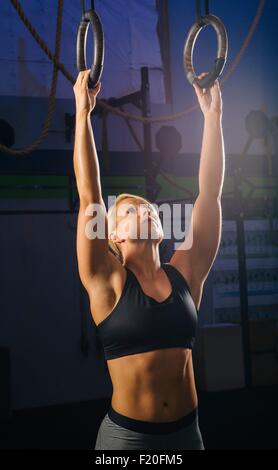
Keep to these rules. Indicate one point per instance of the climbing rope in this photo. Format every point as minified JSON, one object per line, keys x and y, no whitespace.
{"x":51,"y":98}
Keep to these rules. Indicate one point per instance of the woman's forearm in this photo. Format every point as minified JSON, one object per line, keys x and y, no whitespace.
{"x":85,"y":159}
{"x":212,"y":161}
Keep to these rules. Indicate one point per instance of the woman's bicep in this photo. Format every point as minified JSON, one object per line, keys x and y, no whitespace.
{"x":207,"y":225}
{"x":92,"y":242}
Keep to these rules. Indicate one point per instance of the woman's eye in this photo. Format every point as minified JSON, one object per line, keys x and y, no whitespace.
{"x":131,"y":209}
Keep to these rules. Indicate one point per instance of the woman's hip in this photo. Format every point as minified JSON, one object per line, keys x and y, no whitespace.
{"x":119,"y":432}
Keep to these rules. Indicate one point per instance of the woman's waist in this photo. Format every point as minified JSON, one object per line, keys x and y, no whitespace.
{"x":160,"y":410}
{"x":161,"y":402}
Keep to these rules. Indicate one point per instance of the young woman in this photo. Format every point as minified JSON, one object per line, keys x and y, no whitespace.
{"x":146,"y":311}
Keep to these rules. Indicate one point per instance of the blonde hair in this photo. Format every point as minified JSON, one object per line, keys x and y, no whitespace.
{"x":111,"y":216}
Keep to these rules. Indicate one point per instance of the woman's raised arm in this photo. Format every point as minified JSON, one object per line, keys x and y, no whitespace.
{"x":95,"y":261}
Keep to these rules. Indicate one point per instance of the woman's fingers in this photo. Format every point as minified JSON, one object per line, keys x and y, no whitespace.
{"x":215,"y":84}
{"x":215,"y":89}
{"x":85,"y":77}
{"x":82,"y":82}
{"x":202,"y":75}
{"x":97,"y":88}
{"x":82,"y":74}
{"x":80,"y":77}
{"x":94,"y":91}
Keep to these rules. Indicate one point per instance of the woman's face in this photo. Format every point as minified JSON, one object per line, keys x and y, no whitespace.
{"x":137,"y":219}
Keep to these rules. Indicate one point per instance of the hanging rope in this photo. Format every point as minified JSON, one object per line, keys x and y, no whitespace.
{"x":51,"y":99}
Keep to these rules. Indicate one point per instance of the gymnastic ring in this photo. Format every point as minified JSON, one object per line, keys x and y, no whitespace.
{"x":219,"y":63}
{"x":90,"y":17}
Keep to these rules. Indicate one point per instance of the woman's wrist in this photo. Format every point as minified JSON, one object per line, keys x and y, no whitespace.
{"x":213,"y":116}
{"x":82,"y":113}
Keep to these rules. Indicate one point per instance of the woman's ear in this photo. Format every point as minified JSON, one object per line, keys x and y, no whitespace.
{"x":114,"y":237}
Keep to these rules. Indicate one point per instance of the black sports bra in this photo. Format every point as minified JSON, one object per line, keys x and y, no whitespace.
{"x":140,"y":323}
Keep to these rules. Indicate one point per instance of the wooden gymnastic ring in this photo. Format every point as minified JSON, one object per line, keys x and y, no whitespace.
{"x":219,"y":63}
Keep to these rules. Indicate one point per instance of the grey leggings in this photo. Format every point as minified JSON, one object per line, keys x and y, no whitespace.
{"x":119,"y":432}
